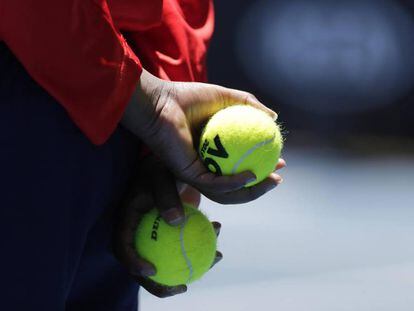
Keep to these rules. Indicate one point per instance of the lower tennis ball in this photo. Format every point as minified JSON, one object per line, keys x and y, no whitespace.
{"x":180,"y":254}
{"x":241,"y":138}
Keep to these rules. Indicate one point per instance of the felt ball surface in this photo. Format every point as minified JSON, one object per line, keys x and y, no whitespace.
{"x":180,"y":254}
{"x":241,"y":138}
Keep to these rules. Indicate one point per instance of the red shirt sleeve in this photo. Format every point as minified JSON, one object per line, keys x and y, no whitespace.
{"x":175,"y":47}
{"x":73,"y":50}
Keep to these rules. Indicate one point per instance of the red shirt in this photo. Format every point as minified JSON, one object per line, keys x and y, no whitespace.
{"x":76,"y":50}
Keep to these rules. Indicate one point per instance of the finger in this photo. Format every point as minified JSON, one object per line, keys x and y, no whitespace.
{"x":166,"y":197}
{"x":181,"y":186}
{"x":242,"y":97}
{"x":129,"y":215}
{"x":206,"y":181}
{"x":137,"y":266}
{"x":280,"y":164}
{"x":159,"y":290}
{"x":210,"y":182}
{"x":125,"y":252}
{"x":247,"y":194}
{"x":191,"y":196}
{"x":217,"y":227}
{"x":138,"y":201}
{"x":219,"y":256}
{"x":124,"y":232}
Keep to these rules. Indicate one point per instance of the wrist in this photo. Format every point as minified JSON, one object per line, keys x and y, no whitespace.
{"x":142,"y":106}
{"x":149,"y":86}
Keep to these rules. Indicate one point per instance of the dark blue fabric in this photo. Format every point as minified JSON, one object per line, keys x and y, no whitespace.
{"x":57,"y":196}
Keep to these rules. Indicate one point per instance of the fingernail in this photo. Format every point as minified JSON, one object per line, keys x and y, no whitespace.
{"x":217,"y":227}
{"x":173,"y":216}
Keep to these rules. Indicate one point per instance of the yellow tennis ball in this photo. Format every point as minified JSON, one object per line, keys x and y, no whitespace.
{"x":241,"y":138}
{"x":180,"y":254}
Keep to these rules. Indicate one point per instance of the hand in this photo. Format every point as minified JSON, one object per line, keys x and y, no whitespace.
{"x":155,"y":186}
{"x":168,"y":115}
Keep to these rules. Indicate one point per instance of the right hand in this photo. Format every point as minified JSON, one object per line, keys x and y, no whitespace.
{"x":167,"y":115}
{"x":154,"y":186}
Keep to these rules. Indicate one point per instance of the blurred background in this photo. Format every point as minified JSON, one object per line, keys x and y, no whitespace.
{"x":338,"y":234}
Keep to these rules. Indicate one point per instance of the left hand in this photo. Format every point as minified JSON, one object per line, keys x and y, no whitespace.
{"x":155,"y":187}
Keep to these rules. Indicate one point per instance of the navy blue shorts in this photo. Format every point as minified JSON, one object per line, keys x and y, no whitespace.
{"x":58,"y":193}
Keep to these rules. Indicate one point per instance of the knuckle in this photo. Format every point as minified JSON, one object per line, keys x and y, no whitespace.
{"x":250,"y":97}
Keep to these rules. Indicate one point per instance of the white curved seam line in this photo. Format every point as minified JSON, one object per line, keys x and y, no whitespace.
{"x":187,"y":260}
{"x":250,"y":151}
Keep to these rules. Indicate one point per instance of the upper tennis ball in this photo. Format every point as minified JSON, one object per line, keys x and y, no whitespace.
{"x":241,"y":138}
{"x":180,"y":254}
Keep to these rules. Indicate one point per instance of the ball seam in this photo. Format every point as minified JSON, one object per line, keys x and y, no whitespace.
{"x":187,"y":260}
{"x":250,"y":151}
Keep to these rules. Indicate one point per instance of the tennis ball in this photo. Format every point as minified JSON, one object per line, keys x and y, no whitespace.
{"x":241,"y":138}
{"x":180,"y":254}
